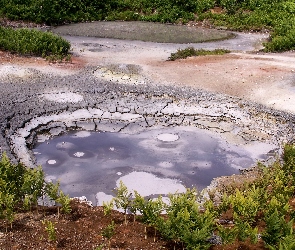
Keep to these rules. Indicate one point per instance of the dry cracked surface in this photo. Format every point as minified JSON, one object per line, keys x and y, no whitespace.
{"x":128,"y":86}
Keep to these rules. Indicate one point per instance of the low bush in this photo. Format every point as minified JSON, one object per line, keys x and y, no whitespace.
{"x":190,"y":51}
{"x":21,"y":187}
{"x":32,"y":42}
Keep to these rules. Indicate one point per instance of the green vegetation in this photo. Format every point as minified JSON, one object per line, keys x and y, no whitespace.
{"x":190,"y":51}
{"x":261,"y":211}
{"x":109,"y":232}
{"x":50,"y":229}
{"x":33,"y":42}
{"x":21,"y":188}
{"x":256,"y":15}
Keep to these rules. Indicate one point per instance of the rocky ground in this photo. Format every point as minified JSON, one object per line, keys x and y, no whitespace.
{"x":246,"y":96}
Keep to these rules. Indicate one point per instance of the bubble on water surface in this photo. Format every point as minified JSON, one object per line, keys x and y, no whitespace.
{"x":51,"y":162}
{"x":167,"y":137}
{"x":79,"y":154}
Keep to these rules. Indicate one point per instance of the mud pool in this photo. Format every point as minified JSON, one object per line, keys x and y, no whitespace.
{"x":156,"y":161}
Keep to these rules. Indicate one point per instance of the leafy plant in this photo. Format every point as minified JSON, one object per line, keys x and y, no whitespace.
{"x":245,"y":206}
{"x":18,"y":186}
{"x":57,"y":195}
{"x":107,"y":207}
{"x":64,"y":200}
{"x":122,"y":198}
{"x":50,"y":229}
{"x":277,"y":229}
{"x":108,"y":232}
{"x":186,"y":223}
{"x":227,"y":234}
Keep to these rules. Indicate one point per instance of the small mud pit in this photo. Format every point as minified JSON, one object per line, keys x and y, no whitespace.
{"x":156,"y":161}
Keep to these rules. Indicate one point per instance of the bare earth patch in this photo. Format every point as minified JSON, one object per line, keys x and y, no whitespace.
{"x":83,"y":229}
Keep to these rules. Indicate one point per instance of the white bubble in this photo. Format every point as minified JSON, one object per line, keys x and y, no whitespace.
{"x":79,"y":154}
{"x":167,"y":137}
{"x":51,"y":162}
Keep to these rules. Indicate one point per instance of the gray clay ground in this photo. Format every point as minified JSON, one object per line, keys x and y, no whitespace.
{"x":246,"y":98}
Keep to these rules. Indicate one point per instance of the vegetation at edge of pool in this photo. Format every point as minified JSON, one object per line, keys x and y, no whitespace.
{"x":190,"y":51}
{"x":274,"y":15}
{"x":32,"y":42}
{"x":260,"y":210}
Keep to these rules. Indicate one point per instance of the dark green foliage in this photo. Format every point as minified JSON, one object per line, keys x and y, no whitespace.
{"x":55,"y":12}
{"x":276,"y":228}
{"x":275,"y":15}
{"x":186,"y":223}
{"x":109,"y":232}
{"x":33,"y":42}
{"x":21,"y":187}
{"x":190,"y":51}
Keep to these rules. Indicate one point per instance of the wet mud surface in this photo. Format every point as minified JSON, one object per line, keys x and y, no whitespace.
{"x":152,"y":162}
{"x":146,"y":31}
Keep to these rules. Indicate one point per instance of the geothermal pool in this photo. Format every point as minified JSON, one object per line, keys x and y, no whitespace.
{"x":153,"y":162}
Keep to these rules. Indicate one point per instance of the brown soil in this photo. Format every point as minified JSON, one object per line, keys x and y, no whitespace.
{"x":82,"y":229}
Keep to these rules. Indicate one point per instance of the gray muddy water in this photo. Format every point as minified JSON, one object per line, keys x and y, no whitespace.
{"x":156,"y":161}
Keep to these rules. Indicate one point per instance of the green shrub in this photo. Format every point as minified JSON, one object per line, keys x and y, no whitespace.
{"x":186,"y":223}
{"x":50,"y":229}
{"x":190,"y":51}
{"x":122,"y":198}
{"x":33,"y":42}
{"x":20,"y":187}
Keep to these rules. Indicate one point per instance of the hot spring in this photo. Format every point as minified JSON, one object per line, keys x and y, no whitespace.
{"x":152,"y":162}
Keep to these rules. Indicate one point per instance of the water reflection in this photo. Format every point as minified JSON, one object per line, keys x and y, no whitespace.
{"x":88,"y":163}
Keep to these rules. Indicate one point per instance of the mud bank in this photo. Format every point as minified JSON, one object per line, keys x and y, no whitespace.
{"x":39,"y":103}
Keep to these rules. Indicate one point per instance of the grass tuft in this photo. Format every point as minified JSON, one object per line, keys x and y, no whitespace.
{"x":190,"y":51}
